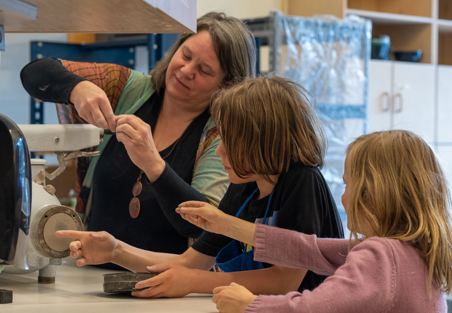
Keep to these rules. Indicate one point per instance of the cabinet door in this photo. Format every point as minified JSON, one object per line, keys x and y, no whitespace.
{"x":444,"y":103}
{"x":444,"y":154}
{"x":379,"y":95}
{"x":414,"y":99}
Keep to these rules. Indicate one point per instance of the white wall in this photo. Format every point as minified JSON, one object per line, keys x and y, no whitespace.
{"x":14,"y":100}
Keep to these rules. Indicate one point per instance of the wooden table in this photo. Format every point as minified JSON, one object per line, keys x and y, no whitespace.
{"x":80,"y":290}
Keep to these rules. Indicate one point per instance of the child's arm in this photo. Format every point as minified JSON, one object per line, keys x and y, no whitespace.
{"x":365,"y":283}
{"x":293,"y":249}
{"x":285,"y":248}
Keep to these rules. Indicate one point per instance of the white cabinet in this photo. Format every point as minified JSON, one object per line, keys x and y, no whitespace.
{"x":380,"y":91}
{"x":444,"y":104}
{"x":444,"y":127}
{"x":402,"y":96}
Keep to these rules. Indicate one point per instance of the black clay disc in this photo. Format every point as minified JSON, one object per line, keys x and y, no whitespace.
{"x":124,"y":282}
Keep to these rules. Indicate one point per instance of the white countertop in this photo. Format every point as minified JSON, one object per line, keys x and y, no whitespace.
{"x":80,"y":290}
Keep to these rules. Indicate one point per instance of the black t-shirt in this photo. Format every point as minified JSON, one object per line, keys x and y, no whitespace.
{"x":301,"y":201}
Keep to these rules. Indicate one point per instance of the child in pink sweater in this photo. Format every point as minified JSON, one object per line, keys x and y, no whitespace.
{"x":397,"y":200}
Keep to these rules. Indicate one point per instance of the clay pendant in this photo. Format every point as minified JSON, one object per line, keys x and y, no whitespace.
{"x":137,"y":189}
{"x":134,"y":207}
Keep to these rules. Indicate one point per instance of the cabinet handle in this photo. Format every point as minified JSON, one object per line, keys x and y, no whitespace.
{"x":384,"y":102}
{"x":398,"y":105}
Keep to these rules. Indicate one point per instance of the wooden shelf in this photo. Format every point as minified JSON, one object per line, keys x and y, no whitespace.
{"x":101,"y":16}
{"x":445,"y":9}
{"x":421,"y":8}
{"x":407,"y":37}
{"x":445,"y":26}
{"x":390,"y":18}
{"x":444,"y":48}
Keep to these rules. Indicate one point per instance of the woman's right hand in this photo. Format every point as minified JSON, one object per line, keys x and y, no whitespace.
{"x":91,"y":247}
{"x":92,"y":105}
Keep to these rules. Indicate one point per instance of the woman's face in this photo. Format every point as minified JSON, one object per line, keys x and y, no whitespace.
{"x":194,"y":72}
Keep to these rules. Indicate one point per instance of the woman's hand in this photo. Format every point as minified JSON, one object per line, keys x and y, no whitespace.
{"x":92,"y":105}
{"x":92,"y":247}
{"x":232,"y":298}
{"x":136,"y":136}
{"x":204,"y":216}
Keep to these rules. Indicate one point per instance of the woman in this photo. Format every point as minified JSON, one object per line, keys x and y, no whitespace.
{"x":165,"y":139}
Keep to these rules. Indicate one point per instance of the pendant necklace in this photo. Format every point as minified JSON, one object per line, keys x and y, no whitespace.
{"x":134,"y":205}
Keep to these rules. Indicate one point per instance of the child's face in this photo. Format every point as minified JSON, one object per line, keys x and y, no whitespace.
{"x":363,"y":226}
{"x":221,"y":151}
{"x":346,"y":178}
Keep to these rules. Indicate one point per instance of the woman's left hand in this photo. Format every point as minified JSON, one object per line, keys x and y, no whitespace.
{"x":136,"y":136}
{"x":232,"y":298}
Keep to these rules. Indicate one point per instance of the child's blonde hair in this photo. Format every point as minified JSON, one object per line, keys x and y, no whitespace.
{"x":266,"y":123}
{"x":399,"y":188}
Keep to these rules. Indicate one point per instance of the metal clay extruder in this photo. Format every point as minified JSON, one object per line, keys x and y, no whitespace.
{"x":30,"y":214}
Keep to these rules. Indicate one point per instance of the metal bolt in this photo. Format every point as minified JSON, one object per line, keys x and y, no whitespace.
{"x":57,"y":140}
{"x":40,"y":44}
{"x":131,"y":61}
{"x":131,"y":50}
{"x":156,"y":47}
{"x":39,"y":56}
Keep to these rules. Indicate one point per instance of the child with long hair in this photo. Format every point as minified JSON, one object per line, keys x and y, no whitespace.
{"x":272,"y":147}
{"x":397,"y":203}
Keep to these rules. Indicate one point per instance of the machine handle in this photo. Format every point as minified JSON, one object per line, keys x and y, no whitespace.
{"x":398,"y":105}
{"x":384,"y":102}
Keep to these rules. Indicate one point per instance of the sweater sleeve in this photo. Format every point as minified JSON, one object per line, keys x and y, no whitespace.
{"x":367,"y":275}
{"x":296,"y":250}
{"x":52,"y":80}
{"x":48,"y":80}
{"x":209,"y":182}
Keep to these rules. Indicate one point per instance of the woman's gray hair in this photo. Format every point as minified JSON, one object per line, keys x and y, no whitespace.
{"x":233,"y":43}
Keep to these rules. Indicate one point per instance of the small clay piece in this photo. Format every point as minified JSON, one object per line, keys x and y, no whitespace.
{"x":124,"y":282}
{"x":6,"y":296}
{"x":50,"y":189}
{"x":46,"y":280}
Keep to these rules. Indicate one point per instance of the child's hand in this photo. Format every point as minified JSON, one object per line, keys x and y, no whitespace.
{"x":203,"y":215}
{"x":232,"y":298}
{"x":92,"y":247}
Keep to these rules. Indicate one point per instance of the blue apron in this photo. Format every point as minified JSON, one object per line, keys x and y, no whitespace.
{"x":234,"y":258}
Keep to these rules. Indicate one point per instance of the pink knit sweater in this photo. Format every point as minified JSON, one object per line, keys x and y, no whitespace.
{"x":377,"y":276}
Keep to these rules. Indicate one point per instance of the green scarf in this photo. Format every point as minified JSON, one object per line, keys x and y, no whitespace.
{"x":137,"y":91}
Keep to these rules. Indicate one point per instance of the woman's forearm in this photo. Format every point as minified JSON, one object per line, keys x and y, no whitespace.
{"x":171,"y":190}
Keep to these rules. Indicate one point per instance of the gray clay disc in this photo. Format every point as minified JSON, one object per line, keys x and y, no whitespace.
{"x":124,"y":282}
